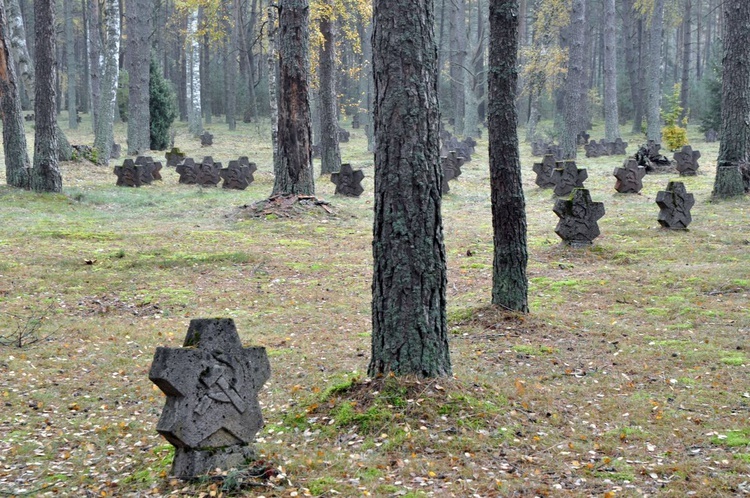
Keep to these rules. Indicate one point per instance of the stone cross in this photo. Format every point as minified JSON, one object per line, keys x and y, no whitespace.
{"x":568,"y":176}
{"x":594,"y":149}
{"x":348,"y":181}
{"x":544,"y":171}
{"x":675,"y":204}
{"x":212,"y":412}
{"x":207,"y":139}
{"x":149,"y":169}
{"x":583,"y":138}
{"x":629,"y":177}
{"x":343,"y":135}
{"x":578,"y":215}
{"x":115,"y":151}
{"x":128,"y":175}
{"x":619,"y":148}
{"x":174,"y":157}
{"x":711,"y":135}
{"x":207,"y":172}
{"x":238,"y":175}
{"x":187,"y":171}
{"x":687,"y":161}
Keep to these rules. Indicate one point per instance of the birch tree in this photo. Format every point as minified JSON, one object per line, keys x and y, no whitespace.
{"x":20,"y":48}
{"x":193,"y":76}
{"x":104,"y":135}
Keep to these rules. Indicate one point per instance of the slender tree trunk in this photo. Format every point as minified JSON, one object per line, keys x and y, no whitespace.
{"x":251,"y":113}
{"x":193,"y":76}
{"x":232,"y":53}
{"x":139,"y":117}
{"x":20,"y":48}
{"x":611,"y":113}
{"x":71,"y":66}
{"x":294,"y":174}
{"x":685,"y":79}
{"x":633,"y":49}
{"x":330,"y":156}
{"x":698,"y":32}
{"x":734,"y":148}
{"x":655,"y":62}
{"x":17,"y":164}
{"x":458,"y":63}
{"x":574,"y":95}
{"x":509,"y":282}
{"x":409,"y":329}
{"x":205,"y":70}
{"x":273,"y":92}
{"x":104,"y":136}
{"x":45,"y":175}
{"x":94,"y":45}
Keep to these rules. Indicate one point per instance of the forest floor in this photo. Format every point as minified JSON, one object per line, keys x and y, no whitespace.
{"x":629,"y":377}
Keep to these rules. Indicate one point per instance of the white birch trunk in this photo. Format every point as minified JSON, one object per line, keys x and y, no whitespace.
{"x":193,"y":76}
{"x":20,"y":49}
{"x":104,"y":136}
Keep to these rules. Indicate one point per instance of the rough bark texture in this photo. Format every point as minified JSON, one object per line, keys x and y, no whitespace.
{"x":45,"y":175}
{"x":71,"y":66}
{"x":294,"y":174}
{"x":20,"y":48}
{"x":686,"y":44}
{"x":653,"y":106}
{"x":139,"y":59}
{"x":330,"y":156}
{"x":104,"y":136}
{"x":509,"y":283}
{"x":409,"y":329}
{"x":14,"y":138}
{"x":735,"y":100}
{"x":574,"y":81}
{"x":232,"y":65}
{"x":611,"y":114}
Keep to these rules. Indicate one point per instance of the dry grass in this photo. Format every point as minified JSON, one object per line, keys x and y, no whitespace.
{"x":628,"y":378}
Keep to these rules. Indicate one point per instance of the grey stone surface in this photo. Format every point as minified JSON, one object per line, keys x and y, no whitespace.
{"x":174,"y":157}
{"x":629,"y":177}
{"x":187,"y":171}
{"x":544,"y":171}
{"x":568,"y":176}
{"x":675,"y":204}
{"x":115,"y":152}
{"x":687,"y":161}
{"x":207,"y":173}
{"x":578,"y":215}
{"x":238,"y":175}
{"x":348,"y":181}
{"x":149,"y":170}
{"x":212,"y":412}
{"x":451,"y":165}
{"x":207,"y":139}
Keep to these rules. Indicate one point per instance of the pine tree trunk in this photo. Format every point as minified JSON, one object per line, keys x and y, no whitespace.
{"x":698,"y":33}
{"x":734,"y":148}
{"x":205,"y":65}
{"x":17,"y":162}
{"x":653,"y":106}
{"x":294,"y":174}
{"x":409,"y":329}
{"x":574,"y":81}
{"x":611,"y":113}
{"x":232,"y":54}
{"x":330,"y":156}
{"x":71,"y":65}
{"x":632,"y":39}
{"x":686,"y":42}
{"x":104,"y":136}
{"x":458,"y":63}
{"x":45,"y":175}
{"x":509,"y":283}
{"x":139,"y":49}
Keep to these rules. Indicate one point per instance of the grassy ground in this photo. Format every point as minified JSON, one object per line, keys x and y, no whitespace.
{"x":628,"y":378}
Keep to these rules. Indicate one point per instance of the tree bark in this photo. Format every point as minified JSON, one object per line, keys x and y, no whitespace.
{"x":20,"y":48}
{"x":632,"y":29}
{"x":611,"y":113}
{"x":294,"y":174}
{"x":458,"y":63}
{"x":193,"y":76}
{"x":653,"y":107}
{"x":273,"y":92}
{"x":45,"y":175}
{"x":17,"y":164}
{"x":409,"y":329}
{"x":138,"y":31}
{"x":685,"y":79}
{"x":94,"y":44}
{"x":509,"y":282}
{"x":104,"y":136}
{"x":574,"y":81}
{"x":70,"y":65}
{"x":330,"y":155}
{"x":734,"y":148}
